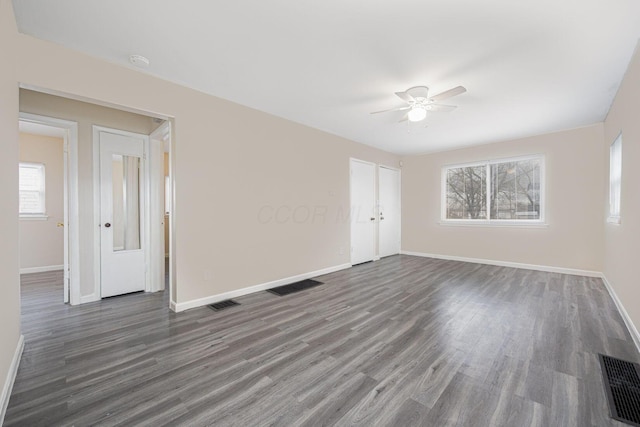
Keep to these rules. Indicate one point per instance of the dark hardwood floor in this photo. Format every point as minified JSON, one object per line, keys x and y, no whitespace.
{"x":399,"y":342}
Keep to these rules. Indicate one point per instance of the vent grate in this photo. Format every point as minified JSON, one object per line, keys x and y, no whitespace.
{"x":294,"y":287}
{"x":223,"y":304}
{"x":622,"y":384}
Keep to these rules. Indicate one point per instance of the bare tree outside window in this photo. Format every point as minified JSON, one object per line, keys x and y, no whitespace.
{"x":467,"y":193}
{"x":509,"y":190}
{"x":515,"y":190}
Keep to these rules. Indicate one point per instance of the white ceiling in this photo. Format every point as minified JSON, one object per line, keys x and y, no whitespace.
{"x":529,"y":67}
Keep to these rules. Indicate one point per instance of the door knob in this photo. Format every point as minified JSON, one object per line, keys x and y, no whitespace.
{"x":381,"y":218}
{"x":372,"y":219}
{"x":108,"y":224}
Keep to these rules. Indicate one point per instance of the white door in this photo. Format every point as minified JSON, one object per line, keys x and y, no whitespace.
{"x":363,"y":215}
{"x":122,"y":210}
{"x":389,"y":211}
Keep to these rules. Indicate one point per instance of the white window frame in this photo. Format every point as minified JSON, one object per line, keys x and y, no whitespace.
{"x":43,"y":192}
{"x":615,"y":180}
{"x":525,"y":223}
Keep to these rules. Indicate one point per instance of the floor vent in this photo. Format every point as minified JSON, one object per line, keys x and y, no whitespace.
{"x":223,"y":304}
{"x":622,"y":384}
{"x":294,"y":287}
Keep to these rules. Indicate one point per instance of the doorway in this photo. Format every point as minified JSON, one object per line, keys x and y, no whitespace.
{"x":132,"y":210}
{"x":83,"y":229}
{"x":55,"y":221}
{"x":160,"y":206}
{"x":363,"y":215}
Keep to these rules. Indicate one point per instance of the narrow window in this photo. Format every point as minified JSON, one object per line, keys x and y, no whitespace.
{"x":31,"y":189}
{"x":615,"y":179}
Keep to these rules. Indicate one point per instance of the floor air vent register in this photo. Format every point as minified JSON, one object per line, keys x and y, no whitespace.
{"x":223,"y":304}
{"x":622,"y":385}
{"x":294,"y":287}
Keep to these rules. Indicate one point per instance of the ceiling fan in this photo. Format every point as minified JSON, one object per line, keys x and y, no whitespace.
{"x":419,"y":102}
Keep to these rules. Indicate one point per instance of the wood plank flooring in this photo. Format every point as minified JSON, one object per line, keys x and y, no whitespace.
{"x":399,"y":342}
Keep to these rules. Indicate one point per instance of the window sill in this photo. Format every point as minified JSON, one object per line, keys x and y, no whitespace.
{"x":34,"y":217}
{"x":494,"y":224}
{"x":614,"y":220}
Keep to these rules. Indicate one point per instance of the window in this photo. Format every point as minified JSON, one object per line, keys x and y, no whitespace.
{"x":497,"y":192}
{"x":31,"y":189}
{"x":615,"y":179}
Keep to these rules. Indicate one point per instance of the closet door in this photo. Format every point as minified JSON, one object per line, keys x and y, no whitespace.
{"x":389,"y":211}
{"x":363,"y":215}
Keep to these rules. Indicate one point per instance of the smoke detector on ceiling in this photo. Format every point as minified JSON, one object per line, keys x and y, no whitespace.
{"x":139,"y":61}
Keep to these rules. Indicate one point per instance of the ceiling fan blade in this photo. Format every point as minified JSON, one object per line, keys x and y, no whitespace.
{"x":391,"y":109}
{"x":404,"y":119}
{"x":405,"y":97}
{"x":439,"y":108}
{"x":448,"y":94}
{"x":418,"y":92}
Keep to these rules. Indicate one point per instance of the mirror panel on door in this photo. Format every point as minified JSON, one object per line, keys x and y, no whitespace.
{"x":126,"y":202}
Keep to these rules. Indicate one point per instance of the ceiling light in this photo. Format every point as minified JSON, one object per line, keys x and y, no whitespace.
{"x":139,"y":61}
{"x":417,"y":113}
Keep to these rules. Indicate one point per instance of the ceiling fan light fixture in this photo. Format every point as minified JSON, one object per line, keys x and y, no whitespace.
{"x":417,"y":114}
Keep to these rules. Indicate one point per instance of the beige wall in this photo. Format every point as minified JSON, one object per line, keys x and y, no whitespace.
{"x":230,"y":162}
{"x":9,"y":263}
{"x":41,"y":241}
{"x":622,"y":242}
{"x":574,"y":190}
{"x":86,"y":115}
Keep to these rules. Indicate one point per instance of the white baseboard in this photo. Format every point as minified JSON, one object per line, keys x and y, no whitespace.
{"x":562,"y":270}
{"x":172,"y":305}
{"x":635,"y":335}
{"x":181,"y":306}
{"x":41,"y":269}
{"x":11,"y":377}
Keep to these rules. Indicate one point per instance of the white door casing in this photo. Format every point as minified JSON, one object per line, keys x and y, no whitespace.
{"x":65,"y":219}
{"x":155,"y":161}
{"x":389,"y":211}
{"x":363,"y":215}
{"x":71,"y":235}
{"x":122,"y":212}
